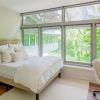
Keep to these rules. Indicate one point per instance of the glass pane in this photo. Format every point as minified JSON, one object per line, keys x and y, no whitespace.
{"x":98,"y":41}
{"x":40,"y":18}
{"x":88,"y":12}
{"x":51,"y":41}
{"x":31,"y":41}
{"x":78,"y":43}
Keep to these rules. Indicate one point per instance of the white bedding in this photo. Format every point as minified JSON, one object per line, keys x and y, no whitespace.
{"x":39,"y":70}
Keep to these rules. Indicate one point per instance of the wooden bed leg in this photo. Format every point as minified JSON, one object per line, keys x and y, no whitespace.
{"x":60,"y":75}
{"x":37,"y":96}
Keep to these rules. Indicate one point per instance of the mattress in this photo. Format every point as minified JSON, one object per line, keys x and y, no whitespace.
{"x":8,"y":70}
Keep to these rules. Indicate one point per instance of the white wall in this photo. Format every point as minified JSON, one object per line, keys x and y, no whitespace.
{"x":78,"y":73}
{"x":9,"y":24}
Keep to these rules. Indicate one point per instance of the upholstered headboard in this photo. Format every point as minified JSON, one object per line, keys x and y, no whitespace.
{"x":6,"y":41}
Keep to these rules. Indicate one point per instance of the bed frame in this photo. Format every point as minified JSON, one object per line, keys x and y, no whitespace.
{"x":11,"y":81}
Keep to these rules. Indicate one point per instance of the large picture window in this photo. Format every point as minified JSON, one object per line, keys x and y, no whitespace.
{"x":51,"y":39}
{"x":71,"y":32}
{"x":31,"y":41}
{"x":40,"y":18}
{"x":78,"y":43}
{"x":88,"y":12}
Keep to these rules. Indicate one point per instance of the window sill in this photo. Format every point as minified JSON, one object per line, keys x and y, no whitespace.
{"x":84,"y":66}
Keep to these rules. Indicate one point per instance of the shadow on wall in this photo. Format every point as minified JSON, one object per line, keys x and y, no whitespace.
{"x":15,"y":30}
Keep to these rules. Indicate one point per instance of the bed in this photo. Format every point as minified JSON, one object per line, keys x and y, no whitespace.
{"x":9,"y":73}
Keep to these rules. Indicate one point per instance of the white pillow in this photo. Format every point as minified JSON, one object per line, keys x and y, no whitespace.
{"x":4,"y":46}
{"x":18,"y":56}
{"x":17,"y":47}
{"x":6,"y":57}
{"x":5,"y":54}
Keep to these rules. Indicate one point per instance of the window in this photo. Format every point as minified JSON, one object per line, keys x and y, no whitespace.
{"x":31,"y":41}
{"x":40,"y":18}
{"x":98,"y":40}
{"x":51,"y":39}
{"x":87,"y":12}
{"x":78,"y":43}
{"x":67,"y":32}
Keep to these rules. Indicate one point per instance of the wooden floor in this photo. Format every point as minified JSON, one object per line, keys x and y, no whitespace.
{"x":93,"y":87}
{"x":3,"y":88}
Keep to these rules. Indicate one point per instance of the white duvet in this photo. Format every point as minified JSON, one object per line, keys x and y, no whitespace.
{"x":31,"y":73}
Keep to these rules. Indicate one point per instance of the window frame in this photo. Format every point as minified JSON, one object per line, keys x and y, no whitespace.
{"x":63,"y":33}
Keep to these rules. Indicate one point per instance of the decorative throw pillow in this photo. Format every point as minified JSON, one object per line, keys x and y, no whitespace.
{"x":17,"y":47}
{"x":18,"y":56}
{"x":5,"y":54}
{"x":4,"y":47}
{"x":6,"y":57}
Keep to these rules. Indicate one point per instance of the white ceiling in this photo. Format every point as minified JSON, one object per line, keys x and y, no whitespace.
{"x":33,"y":5}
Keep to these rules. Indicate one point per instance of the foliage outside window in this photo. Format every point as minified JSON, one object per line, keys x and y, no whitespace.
{"x":98,"y":41}
{"x":88,"y":12}
{"x":40,"y":18}
{"x":78,"y":43}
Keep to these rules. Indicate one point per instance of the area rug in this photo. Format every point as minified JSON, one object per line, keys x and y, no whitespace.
{"x":59,"y":89}
{"x":94,"y":87}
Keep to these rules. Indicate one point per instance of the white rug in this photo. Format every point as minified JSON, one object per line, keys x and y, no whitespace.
{"x":59,"y":89}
